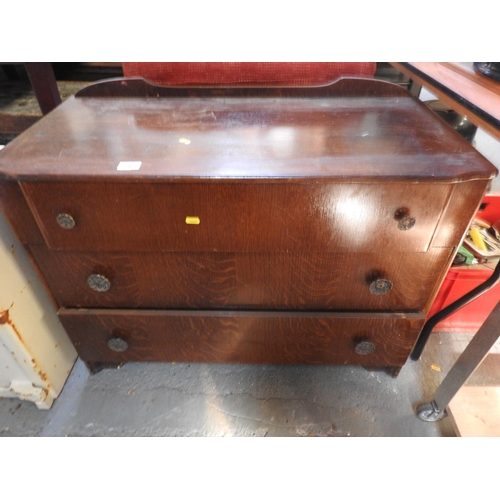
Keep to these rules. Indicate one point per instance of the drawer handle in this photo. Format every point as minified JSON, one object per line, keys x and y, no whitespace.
{"x":364,"y":348}
{"x":117,"y":344}
{"x":380,"y":286}
{"x":98,"y":283}
{"x":405,"y":222}
{"x":65,"y":221}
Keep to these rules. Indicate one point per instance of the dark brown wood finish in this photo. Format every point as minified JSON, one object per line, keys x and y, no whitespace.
{"x":263,"y":225}
{"x":43,"y":80}
{"x":345,"y":139}
{"x":274,"y":280}
{"x":343,"y":87}
{"x":252,"y":337}
{"x":458,"y":215}
{"x":244,"y":217}
{"x":17,"y":212}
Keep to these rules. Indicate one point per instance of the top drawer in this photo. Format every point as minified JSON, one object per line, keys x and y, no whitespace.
{"x":237,"y":217}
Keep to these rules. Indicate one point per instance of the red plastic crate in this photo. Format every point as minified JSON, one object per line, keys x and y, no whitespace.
{"x":457,"y":283}
{"x":461,"y":280}
{"x":490,"y":208}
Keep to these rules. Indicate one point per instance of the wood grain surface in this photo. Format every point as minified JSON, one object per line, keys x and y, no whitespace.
{"x":476,"y":98}
{"x":253,"y":337}
{"x":467,"y":69}
{"x":243,"y":217}
{"x":342,"y":138}
{"x":244,"y":280}
{"x":461,"y":209}
{"x":17,"y":212}
{"x":253,"y":224}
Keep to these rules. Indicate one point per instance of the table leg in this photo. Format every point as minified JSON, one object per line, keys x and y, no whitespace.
{"x":44,"y":84}
{"x":465,"y":366}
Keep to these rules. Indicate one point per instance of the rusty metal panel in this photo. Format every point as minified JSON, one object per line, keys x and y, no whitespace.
{"x":36,"y":355}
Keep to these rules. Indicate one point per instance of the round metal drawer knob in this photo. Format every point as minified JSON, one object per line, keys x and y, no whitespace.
{"x":65,"y":221}
{"x":98,"y":283}
{"x":380,"y":286}
{"x":406,"y":223}
{"x":364,"y":347}
{"x":117,"y":344}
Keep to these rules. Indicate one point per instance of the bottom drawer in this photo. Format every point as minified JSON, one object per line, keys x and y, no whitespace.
{"x":118,"y":336}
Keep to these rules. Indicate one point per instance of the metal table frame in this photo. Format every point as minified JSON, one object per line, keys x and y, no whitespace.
{"x":478,"y":97}
{"x":469,"y":360}
{"x":464,"y":367}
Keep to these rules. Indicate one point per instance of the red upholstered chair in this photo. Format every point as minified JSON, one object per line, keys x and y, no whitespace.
{"x":250,"y":74}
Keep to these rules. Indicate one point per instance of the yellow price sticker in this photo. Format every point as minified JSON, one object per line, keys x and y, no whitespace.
{"x":192,"y":220}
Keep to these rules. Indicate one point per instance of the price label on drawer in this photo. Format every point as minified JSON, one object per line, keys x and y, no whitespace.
{"x":129,"y":165}
{"x":192,"y":220}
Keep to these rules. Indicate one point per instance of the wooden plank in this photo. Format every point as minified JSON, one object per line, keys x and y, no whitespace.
{"x":44,"y":84}
{"x":475,"y":412}
{"x":471,"y":98}
{"x":467,"y":70}
{"x":474,"y":91}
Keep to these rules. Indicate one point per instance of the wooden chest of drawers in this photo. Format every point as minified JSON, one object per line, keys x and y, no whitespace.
{"x":242,"y":225}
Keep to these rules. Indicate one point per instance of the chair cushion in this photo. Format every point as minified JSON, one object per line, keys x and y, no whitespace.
{"x":247,"y":73}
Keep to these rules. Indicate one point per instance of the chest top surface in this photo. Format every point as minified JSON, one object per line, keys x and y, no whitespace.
{"x":342,"y":138}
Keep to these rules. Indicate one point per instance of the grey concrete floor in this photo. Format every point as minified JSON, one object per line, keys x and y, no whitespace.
{"x":149,"y":399}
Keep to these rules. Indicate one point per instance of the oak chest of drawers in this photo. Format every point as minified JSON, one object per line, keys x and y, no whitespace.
{"x":242,"y":225}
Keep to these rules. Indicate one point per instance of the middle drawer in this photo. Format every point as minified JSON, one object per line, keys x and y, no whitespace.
{"x":204,"y":280}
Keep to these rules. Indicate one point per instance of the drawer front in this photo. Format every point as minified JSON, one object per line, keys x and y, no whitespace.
{"x":237,"y":217}
{"x":239,"y":337}
{"x":323,"y":281}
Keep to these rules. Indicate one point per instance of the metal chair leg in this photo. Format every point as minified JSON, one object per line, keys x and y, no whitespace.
{"x":465,"y":366}
{"x":453,"y":307}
